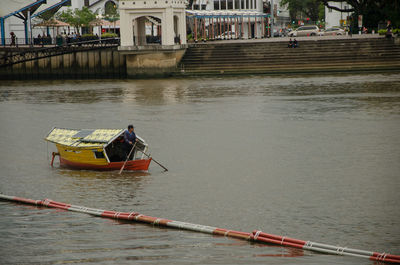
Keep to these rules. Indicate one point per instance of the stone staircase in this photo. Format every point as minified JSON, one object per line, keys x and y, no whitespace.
{"x":312,"y":56}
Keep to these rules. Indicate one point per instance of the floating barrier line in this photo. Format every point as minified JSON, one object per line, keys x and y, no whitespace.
{"x":324,"y":248}
{"x":256,"y":235}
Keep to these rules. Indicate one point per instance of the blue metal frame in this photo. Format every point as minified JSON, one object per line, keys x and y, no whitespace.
{"x":58,"y":6}
{"x":3,"y":33}
{"x":18,"y":15}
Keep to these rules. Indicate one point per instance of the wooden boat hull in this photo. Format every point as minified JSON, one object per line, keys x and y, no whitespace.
{"x":133,"y":165}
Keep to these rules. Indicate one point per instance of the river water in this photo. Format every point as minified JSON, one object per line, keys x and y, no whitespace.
{"x":315,"y":158}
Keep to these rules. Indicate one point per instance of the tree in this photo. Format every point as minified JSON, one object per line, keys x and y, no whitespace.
{"x":111,"y":12}
{"x":310,"y":8}
{"x":78,"y":17}
{"x":373,"y":11}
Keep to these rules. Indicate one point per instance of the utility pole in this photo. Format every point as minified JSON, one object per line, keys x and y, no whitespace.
{"x":272,"y":18}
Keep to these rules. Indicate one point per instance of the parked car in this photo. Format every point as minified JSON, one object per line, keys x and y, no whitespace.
{"x":226,"y":36}
{"x":332,"y":32}
{"x":305,"y":31}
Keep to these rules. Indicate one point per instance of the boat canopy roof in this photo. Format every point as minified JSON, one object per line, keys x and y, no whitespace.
{"x":83,"y":137}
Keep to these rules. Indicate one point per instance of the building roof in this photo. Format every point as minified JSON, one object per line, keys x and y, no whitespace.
{"x":52,"y":23}
{"x":83,"y":137}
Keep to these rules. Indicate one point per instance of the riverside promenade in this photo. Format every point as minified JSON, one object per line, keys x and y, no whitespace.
{"x":322,"y":54}
{"x":319,"y":54}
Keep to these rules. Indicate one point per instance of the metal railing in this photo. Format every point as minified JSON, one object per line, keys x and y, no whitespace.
{"x":151,"y":40}
{"x":46,"y":41}
{"x":35,"y":53}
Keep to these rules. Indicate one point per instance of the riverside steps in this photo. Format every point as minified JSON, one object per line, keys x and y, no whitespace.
{"x":314,"y":55}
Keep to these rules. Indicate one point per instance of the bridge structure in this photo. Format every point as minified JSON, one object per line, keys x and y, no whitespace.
{"x":35,"y":53}
{"x":26,"y":14}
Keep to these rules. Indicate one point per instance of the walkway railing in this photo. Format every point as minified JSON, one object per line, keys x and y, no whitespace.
{"x":31,"y":53}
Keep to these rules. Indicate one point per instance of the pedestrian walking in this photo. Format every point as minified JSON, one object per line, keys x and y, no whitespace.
{"x":13,"y":37}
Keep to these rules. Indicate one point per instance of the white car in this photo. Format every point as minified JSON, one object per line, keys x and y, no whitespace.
{"x":305,"y":31}
{"x":332,"y":32}
{"x":226,"y":36}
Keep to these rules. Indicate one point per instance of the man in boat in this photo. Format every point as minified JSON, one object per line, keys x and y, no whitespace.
{"x":129,"y":140}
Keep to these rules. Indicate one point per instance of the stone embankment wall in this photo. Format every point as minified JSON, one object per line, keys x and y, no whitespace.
{"x":219,"y":58}
{"x":100,"y":63}
{"x":313,"y":55}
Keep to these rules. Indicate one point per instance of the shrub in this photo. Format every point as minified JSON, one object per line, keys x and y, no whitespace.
{"x":382,"y":31}
{"x":109,"y":35}
{"x":87,"y":37}
{"x":396,"y":31}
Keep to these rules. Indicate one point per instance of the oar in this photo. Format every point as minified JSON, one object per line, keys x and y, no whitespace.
{"x":166,"y":169}
{"x":122,"y":168}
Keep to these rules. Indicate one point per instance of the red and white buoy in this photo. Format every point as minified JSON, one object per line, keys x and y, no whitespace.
{"x":257,"y":236}
{"x":324,"y":248}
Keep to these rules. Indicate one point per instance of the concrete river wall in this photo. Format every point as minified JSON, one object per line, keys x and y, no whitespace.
{"x":100,"y":63}
{"x":216,"y":58}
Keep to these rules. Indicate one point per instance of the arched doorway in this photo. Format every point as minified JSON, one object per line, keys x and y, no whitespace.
{"x":147,"y":30}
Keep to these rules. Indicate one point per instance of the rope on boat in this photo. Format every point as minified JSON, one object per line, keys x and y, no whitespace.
{"x":256,"y":236}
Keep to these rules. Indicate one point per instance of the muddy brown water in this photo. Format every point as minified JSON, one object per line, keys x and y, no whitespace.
{"x":315,"y":158}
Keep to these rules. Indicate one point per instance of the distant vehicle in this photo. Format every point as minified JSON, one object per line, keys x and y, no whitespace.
{"x":332,"y":32}
{"x":281,"y":33}
{"x":226,"y":36}
{"x":305,"y":31}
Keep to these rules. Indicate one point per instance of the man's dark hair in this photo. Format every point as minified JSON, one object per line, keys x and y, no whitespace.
{"x":130,"y":126}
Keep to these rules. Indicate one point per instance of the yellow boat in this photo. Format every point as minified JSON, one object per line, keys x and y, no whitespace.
{"x":97,"y":149}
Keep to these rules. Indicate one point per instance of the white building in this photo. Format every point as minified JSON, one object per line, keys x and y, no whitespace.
{"x":335,"y":18}
{"x":281,"y":14}
{"x":166,"y":17}
{"x":227,"y":19}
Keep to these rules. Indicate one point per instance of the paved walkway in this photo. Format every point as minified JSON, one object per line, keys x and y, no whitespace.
{"x":286,"y":39}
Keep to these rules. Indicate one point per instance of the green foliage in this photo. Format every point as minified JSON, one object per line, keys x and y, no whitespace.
{"x":311,"y":8}
{"x":382,"y":31}
{"x":189,"y":36}
{"x":373,"y":11}
{"x":78,"y":17}
{"x":109,"y":35}
{"x":88,"y":35}
{"x":111,"y":12}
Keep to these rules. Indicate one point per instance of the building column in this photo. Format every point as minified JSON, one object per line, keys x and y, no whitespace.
{"x":167,"y":27}
{"x":126,"y":29}
{"x":182,"y":27}
{"x":141,"y":30}
{"x":255,"y":27}
{"x":195,"y":29}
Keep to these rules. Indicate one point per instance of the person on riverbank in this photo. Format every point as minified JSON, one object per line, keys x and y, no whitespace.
{"x":129,"y":140}
{"x":389,"y":29}
{"x":295,"y":45}
{"x":290,"y":45}
{"x":12,"y":38}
